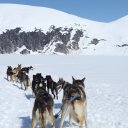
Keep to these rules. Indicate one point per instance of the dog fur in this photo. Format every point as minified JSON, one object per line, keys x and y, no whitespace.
{"x":43,"y":108}
{"x":24,"y":79}
{"x":51,"y":85}
{"x":15,"y":72}
{"x":38,"y":80}
{"x":9,"y":73}
{"x":27,"y":69}
{"x":74,"y":103}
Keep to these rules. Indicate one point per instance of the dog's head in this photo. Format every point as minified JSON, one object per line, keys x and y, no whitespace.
{"x":80,"y":86}
{"x":31,"y":68}
{"x":60,"y":83}
{"x":78,"y":82}
{"x":9,"y":68}
{"x":48,"y":77}
{"x":19,"y":66}
{"x":38,"y":74}
{"x":40,"y":90}
{"x":38,"y":79}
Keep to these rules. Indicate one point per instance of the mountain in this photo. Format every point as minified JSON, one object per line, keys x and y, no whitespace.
{"x":34,"y":30}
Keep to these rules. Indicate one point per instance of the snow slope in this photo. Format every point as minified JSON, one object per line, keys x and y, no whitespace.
{"x":109,"y":34}
{"x":106,"y":88}
{"x":29,"y":17}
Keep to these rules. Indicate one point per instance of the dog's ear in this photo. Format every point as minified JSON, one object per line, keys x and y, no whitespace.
{"x":83,"y":79}
{"x":34,"y":76}
{"x":60,"y":78}
{"x":31,"y":67}
{"x":73,"y":79}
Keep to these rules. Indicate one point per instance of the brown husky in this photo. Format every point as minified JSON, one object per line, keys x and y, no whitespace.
{"x":43,"y":108}
{"x":74,"y":102}
{"x":15,"y":72}
{"x":24,"y":79}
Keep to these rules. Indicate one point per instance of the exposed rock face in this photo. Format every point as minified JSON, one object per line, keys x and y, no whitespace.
{"x":76,"y":39}
{"x":95,"y":41}
{"x":61,"y":48}
{"x":25,"y":51}
{"x":37,"y":39}
{"x":123,"y":45}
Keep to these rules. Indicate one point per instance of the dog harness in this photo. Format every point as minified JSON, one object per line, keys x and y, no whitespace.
{"x":69,"y":90}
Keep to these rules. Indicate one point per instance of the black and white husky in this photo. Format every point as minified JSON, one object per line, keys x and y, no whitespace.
{"x":38,"y":80}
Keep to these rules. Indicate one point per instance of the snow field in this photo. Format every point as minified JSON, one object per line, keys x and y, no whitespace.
{"x":105,"y":85}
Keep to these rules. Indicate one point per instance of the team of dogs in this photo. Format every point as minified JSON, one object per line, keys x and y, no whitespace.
{"x":74,"y":102}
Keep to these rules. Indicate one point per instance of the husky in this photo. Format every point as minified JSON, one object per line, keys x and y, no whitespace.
{"x":38,"y":80}
{"x":27,"y":69}
{"x":74,"y":102}
{"x":24,"y":79}
{"x":43,"y":108}
{"x":15,"y":72}
{"x":52,"y":85}
{"x":9,"y":73}
{"x":17,"y":69}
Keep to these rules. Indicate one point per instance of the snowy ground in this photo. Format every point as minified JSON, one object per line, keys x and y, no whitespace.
{"x":106,"y":88}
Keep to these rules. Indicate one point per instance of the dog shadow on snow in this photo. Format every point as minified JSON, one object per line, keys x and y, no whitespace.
{"x":17,"y":86}
{"x":28,"y":96}
{"x":6,"y":78}
{"x":57,"y":105}
{"x":26,"y":122}
{"x":13,"y":83}
{"x":57,"y":121}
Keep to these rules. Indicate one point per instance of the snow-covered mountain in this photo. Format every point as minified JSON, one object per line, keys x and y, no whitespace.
{"x":45,"y":30}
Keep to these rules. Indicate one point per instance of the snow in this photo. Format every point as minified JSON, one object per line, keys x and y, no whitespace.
{"x":106,"y":86}
{"x":106,"y":75}
{"x":29,"y":17}
{"x":20,"y":49}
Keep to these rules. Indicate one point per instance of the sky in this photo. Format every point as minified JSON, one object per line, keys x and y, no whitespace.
{"x":98,"y":10}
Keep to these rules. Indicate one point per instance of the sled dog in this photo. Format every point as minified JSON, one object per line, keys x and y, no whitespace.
{"x":74,"y":102}
{"x":43,"y":108}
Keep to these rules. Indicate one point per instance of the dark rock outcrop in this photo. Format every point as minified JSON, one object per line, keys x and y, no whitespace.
{"x":25,"y":51}
{"x":61,"y":48}
{"x":123,"y":45}
{"x":37,"y":39}
{"x":95,"y":41}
